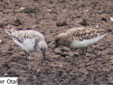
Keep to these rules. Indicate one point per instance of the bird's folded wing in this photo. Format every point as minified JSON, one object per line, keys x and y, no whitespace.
{"x":86,"y":33}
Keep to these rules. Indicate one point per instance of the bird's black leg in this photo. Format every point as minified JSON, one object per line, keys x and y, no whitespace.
{"x":28,"y":57}
{"x":43,"y":53}
{"x":86,"y":50}
{"x":73,"y":49}
{"x":26,"y":54}
{"x":83,"y":51}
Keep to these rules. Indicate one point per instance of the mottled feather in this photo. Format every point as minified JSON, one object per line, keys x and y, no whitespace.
{"x":82,"y":33}
{"x":22,"y":35}
{"x":79,"y":37}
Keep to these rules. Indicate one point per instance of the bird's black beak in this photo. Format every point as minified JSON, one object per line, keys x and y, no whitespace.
{"x":44,"y":56}
{"x":43,"y":53}
{"x":55,"y":46}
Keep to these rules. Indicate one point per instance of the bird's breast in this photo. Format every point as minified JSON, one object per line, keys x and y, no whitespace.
{"x":86,"y":42}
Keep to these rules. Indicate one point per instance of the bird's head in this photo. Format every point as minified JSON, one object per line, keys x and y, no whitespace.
{"x":60,"y":40}
{"x":43,"y":47}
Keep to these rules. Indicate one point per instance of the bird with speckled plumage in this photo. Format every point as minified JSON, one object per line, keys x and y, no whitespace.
{"x":29,"y":40}
{"x":79,"y":37}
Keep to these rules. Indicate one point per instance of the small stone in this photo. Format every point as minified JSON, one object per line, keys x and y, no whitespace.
{"x":5,"y":74}
{"x":61,"y":23}
{"x":22,"y":8}
{"x":97,"y":26}
{"x":71,"y":54}
{"x":49,"y":10}
{"x":111,"y":18}
{"x":64,"y":54}
{"x":65,"y":49}
{"x":38,"y":70}
{"x":87,"y":10}
{"x":87,"y":54}
{"x":1,"y":41}
{"x":60,"y":65}
{"x":76,"y":54}
{"x":55,"y":56}
{"x":57,"y":51}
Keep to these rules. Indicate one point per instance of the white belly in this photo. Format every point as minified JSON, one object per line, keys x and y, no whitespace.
{"x":86,"y":43}
{"x":27,"y":44}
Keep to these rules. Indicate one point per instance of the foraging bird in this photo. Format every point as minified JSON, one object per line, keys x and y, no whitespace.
{"x":29,"y":40}
{"x":79,"y":37}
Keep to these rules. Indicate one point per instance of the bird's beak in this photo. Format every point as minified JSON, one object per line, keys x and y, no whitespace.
{"x":55,"y":46}
{"x":44,"y":56}
{"x":43,"y":53}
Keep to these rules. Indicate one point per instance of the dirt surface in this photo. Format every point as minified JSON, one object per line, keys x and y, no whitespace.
{"x":50,"y":17}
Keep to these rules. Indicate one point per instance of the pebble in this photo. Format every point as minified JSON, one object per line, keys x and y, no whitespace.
{"x":60,"y":65}
{"x":22,"y":8}
{"x":58,"y":51}
{"x":1,"y":41}
{"x":97,"y":26}
{"x":111,"y":18}
{"x":61,"y":23}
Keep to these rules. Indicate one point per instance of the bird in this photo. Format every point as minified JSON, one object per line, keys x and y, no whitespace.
{"x":29,"y":41}
{"x":79,"y":37}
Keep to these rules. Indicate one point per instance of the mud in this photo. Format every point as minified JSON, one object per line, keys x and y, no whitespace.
{"x":50,"y":17}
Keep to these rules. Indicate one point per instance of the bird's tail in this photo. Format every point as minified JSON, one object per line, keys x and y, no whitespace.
{"x":10,"y":32}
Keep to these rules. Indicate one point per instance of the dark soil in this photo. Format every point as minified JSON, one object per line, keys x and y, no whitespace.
{"x":50,"y":17}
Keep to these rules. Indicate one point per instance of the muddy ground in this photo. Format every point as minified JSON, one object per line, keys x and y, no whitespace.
{"x":50,"y":17}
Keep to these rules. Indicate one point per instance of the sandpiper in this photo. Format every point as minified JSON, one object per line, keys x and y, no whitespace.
{"x":79,"y":37}
{"x":29,"y":40}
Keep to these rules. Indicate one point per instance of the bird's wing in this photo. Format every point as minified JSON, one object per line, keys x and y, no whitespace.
{"x":85,"y":33}
{"x":22,"y":35}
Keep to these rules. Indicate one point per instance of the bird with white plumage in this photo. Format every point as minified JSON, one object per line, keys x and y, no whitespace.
{"x":29,"y":40}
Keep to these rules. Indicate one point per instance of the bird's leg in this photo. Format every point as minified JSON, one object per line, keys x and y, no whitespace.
{"x":73,"y":49}
{"x":43,"y":53}
{"x":27,"y":55}
{"x":83,"y":51}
